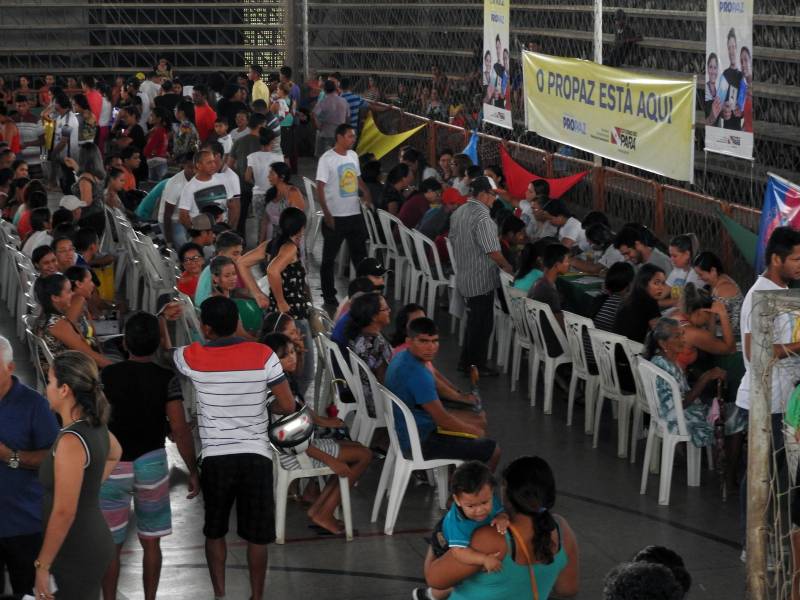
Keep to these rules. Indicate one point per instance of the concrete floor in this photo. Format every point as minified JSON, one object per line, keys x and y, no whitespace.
{"x":598,"y":494}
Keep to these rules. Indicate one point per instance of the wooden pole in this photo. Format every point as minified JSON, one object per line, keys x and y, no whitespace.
{"x":759,"y":436}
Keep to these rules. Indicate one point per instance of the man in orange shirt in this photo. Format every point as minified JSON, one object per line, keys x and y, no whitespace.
{"x":131,"y":161}
{"x":94,"y":97}
{"x":204,"y":115}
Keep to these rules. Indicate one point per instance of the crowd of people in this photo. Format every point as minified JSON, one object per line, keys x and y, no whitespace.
{"x":208,"y":171}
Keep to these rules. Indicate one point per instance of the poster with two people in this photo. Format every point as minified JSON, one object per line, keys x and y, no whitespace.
{"x":729,"y":78}
{"x":496,"y":63}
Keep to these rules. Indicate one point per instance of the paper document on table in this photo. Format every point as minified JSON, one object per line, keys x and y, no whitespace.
{"x":588,"y":280}
{"x":593,"y":293}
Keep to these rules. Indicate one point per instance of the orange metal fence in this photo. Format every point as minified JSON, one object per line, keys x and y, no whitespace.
{"x":667,"y":210}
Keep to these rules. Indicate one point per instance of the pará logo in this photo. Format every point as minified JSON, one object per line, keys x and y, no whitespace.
{"x":624,"y":138}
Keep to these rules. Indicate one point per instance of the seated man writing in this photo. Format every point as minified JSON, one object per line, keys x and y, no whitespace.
{"x":443,"y":433}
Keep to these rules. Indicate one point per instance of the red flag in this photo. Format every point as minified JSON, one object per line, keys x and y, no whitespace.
{"x":518,"y":179}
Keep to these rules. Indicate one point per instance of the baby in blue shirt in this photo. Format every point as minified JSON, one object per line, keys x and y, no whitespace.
{"x":475,"y":504}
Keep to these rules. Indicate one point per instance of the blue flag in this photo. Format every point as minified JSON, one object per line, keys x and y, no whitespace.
{"x":472,"y":148}
{"x":781,"y":208}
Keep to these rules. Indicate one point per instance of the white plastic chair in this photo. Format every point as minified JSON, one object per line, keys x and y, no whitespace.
{"x":339,"y":372}
{"x":284,"y":479}
{"x":505,"y":321}
{"x":575,"y":328}
{"x":377,"y":247}
{"x":33,"y":344}
{"x":456,"y":305}
{"x":413,"y":274}
{"x":433,"y":276}
{"x":633,"y":351}
{"x":522,"y":336}
{"x":536,"y":312}
{"x":397,"y":468}
{"x":604,"y":346}
{"x":650,"y":374}
{"x":366,"y":424}
{"x":322,"y":372}
{"x":393,"y":252}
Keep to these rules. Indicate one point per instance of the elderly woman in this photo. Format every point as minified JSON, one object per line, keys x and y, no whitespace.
{"x":539,"y":549}
{"x":663,"y":347}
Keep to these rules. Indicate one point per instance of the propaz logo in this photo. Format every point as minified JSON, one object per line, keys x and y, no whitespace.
{"x":624,"y":138}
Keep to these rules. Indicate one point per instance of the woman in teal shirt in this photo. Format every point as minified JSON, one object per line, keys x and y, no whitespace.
{"x":538,"y":549}
{"x":528,"y":272}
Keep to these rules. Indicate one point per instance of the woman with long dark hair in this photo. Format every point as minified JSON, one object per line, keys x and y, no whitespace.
{"x":54,"y":295}
{"x":289,"y":293}
{"x":369,"y":316}
{"x":709,"y":269}
{"x":397,"y":180}
{"x":77,"y":544}
{"x":539,"y":549}
{"x":640,"y":310}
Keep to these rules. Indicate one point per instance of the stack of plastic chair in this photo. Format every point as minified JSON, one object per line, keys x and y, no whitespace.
{"x":313,"y":215}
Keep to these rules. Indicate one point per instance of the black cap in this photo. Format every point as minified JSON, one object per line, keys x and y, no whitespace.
{"x":371,"y":266}
{"x":482,"y":184}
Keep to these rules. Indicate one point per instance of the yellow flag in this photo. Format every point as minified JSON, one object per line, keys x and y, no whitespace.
{"x":380,"y":144}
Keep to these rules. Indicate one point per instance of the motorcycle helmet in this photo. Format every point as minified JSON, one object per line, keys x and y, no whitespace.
{"x":292,"y":433}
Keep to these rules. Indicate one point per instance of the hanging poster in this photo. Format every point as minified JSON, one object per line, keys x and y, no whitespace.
{"x":728,"y":90}
{"x":496,"y":63}
{"x":642,"y":121}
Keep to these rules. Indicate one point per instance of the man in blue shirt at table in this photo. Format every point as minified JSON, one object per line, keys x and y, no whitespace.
{"x":27,"y":431}
{"x":411,"y":380}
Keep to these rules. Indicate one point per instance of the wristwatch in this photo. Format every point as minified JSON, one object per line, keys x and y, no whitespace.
{"x":13,"y":462}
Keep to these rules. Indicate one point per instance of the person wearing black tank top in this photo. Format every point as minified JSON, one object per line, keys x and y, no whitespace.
{"x":77,"y":544}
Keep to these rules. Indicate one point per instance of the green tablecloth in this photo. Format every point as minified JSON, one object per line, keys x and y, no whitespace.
{"x":579,"y":292}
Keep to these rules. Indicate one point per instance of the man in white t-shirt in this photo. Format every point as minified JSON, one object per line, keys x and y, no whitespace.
{"x":231,"y":181}
{"x":174,"y":231}
{"x":65,"y":134}
{"x":257,"y":172}
{"x":569,"y":229}
{"x":206,"y":187}
{"x":338,"y":184}
{"x":782,"y":258}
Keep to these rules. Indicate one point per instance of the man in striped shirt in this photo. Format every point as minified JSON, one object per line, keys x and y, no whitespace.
{"x":478,"y":256}
{"x":354,"y":101}
{"x":231,"y":377}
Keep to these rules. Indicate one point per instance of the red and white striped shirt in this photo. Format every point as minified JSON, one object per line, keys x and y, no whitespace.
{"x":231,"y":378}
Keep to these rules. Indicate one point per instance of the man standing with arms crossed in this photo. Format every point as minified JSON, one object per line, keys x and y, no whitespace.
{"x":479,"y":257}
{"x":338,"y":184}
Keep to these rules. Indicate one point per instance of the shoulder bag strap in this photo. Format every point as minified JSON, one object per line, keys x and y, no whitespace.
{"x":524,"y":549}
